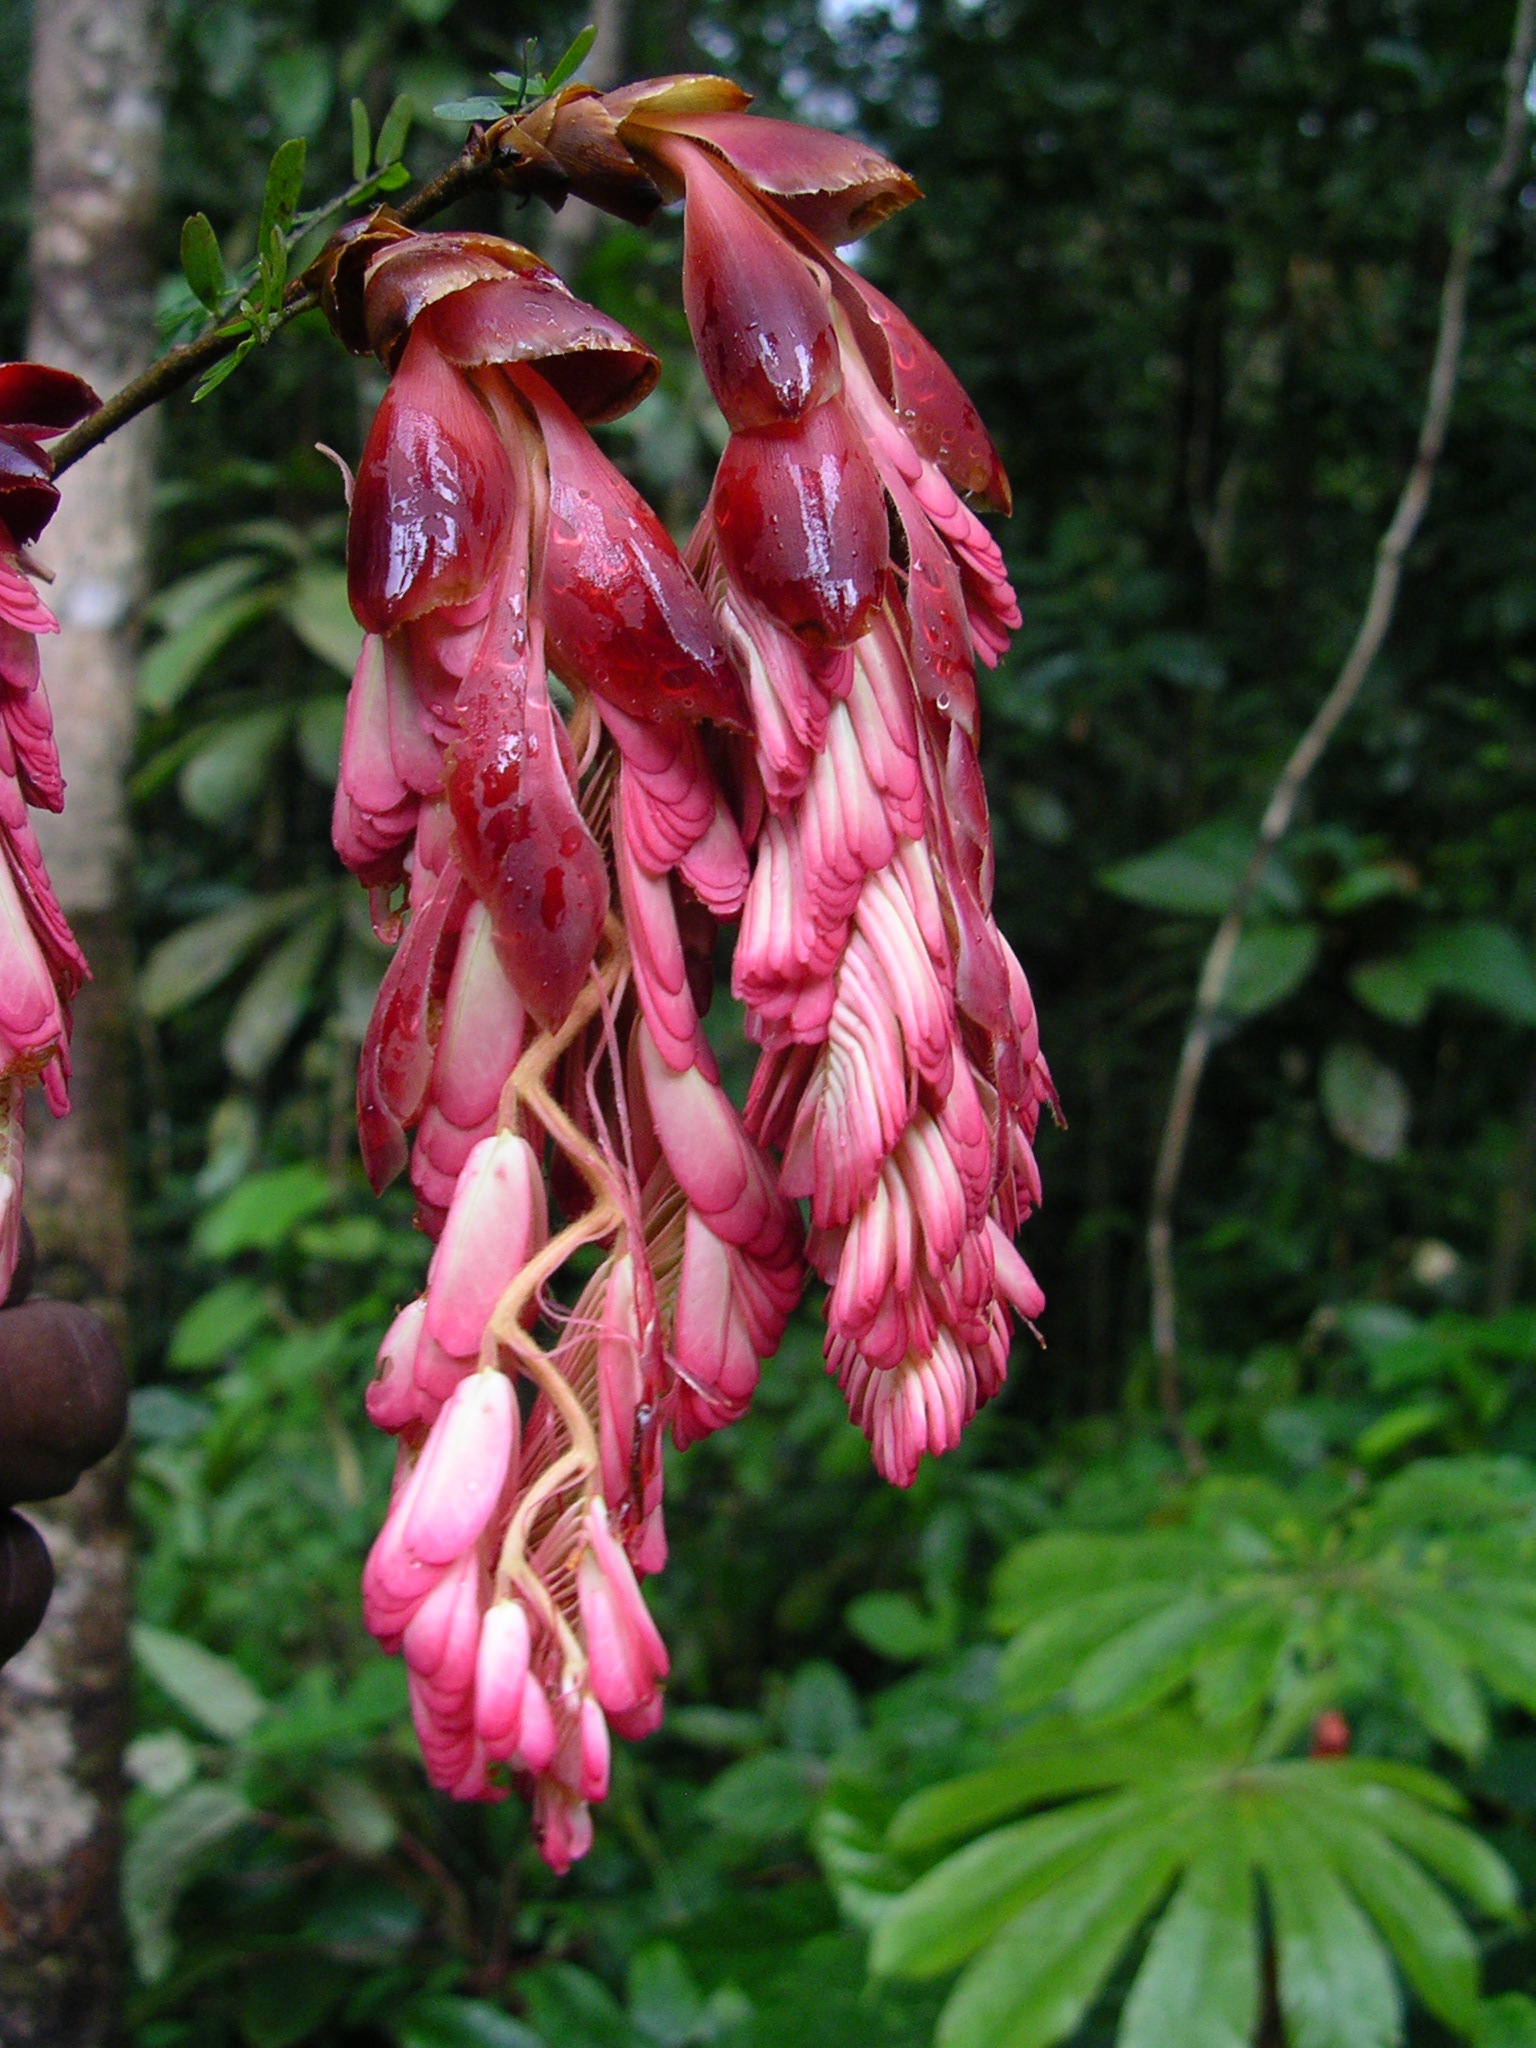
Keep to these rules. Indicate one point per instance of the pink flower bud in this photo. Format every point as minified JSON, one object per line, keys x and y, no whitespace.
{"x":392,"y":1399}
{"x":497,"y":1218}
{"x":537,"y":1738}
{"x":463,"y":1469}
{"x":595,"y":1752}
{"x":626,"y":1655}
{"x":501,"y":1673}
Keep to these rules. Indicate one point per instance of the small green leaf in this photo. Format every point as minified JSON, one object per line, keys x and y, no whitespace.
{"x":298,"y":86}
{"x":569,"y":2005}
{"x":215,"y":1692}
{"x":161,"y":1860}
{"x":478,"y":108}
{"x":664,"y":2001}
{"x":362,"y":142}
{"x":1393,"y":989}
{"x":895,"y":1627}
{"x":397,"y":126}
{"x":217,"y":1324}
{"x":391,"y":178}
{"x":1198,"y":1985}
{"x":261,"y":1212}
{"x":268,"y":1011}
{"x":202,"y":261}
{"x":1507,"y":2022}
{"x":280,"y":200}
{"x":212,"y":379}
{"x":173,"y":664}
{"x":572,"y":61}
{"x":1197,"y":874}
{"x":443,"y":2020}
{"x":763,"y":1798}
{"x":1365,"y":1102}
{"x":1436,"y":1684}
{"x":1483,"y":962}
{"x":199,"y":956}
{"x":356,"y":1815}
{"x":1271,"y":962}
{"x":317,"y":608}
{"x":230,"y":768}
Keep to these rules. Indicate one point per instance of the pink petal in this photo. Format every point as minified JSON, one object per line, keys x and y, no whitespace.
{"x":463,"y":1469}
{"x":497,"y":1219}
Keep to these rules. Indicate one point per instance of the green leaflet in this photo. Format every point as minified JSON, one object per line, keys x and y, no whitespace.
{"x":1336,"y":1984}
{"x":173,"y":664}
{"x":1038,"y":1975}
{"x":1198,"y":1985}
{"x":230,"y":768}
{"x":1044,"y":1657}
{"x":1437,"y":1685}
{"x":216,"y":1693}
{"x":1145,"y":1663}
{"x":951,"y":1910}
{"x":1451,"y":1851}
{"x":1433,"y":1945}
{"x":199,"y":956}
{"x":276,"y":997}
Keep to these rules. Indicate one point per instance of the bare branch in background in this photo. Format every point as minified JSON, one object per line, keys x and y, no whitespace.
{"x":1372,"y":632}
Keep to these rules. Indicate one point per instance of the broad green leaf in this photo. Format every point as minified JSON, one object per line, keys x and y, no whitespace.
{"x":173,"y":664}
{"x":569,"y":2005}
{"x":664,"y":2001}
{"x":1436,"y":1684}
{"x":1070,"y":1565}
{"x":1146,"y":1662}
{"x":1197,"y":875}
{"x":821,"y":1710}
{"x":1336,"y":1984}
{"x":201,"y":261}
{"x":1433,"y":1945}
{"x":1198,"y":1986}
{"x":1039,"y":1974}
{"x":162,"y":1762}
{"x":276,"y":996}
{"x":396,"y":127}
{"x":198,"y":957}
{"x":215,"y":1692}
{"x":362,"y":142}
{"x":231,"y":767}
{"x":317,"y":609}
{"x":356,"y":1815}
{"x":299,"y":85}
{"x":1393,"y":989}
{"x":262,"y":1211}
{"x":1483,"y":962}
{"x":321,"y":725}
{"x":218,"y":1323}
{"x":1399,"y":1427}
{"x":479,"y":107}
{"x":1365,"y":1102}
{"x":442,"y":2020}
{"x":1502,"y":1645}
{"x":1372,"y":883}
{"x":161,"y":1860}
{"x":1271,"y":962}
{"x":572,"y":61}
{"x":953,"y":1908}
{"x":1235,"y":1669}
{"x":179,"y":603}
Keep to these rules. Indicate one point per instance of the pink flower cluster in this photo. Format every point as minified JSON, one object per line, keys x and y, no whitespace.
{"x":524,"y":1028}
{"x":41,"y":967}
{"x":781,"y":732}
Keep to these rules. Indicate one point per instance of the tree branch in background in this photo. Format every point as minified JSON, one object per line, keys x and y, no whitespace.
{"x":1281,"y":808}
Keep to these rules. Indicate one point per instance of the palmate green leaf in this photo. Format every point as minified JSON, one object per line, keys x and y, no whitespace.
{"x":199,"y":956}
{"x":161,"y":1860}
{"x":1198,"y":1986}
{"x":1433,"y":1945}
{"x":1375,"y":1791}
{"x":269,"y":1010}
{"x":952,"y":1909}
{"x":1235,"y":1669}
{"x":215,"y":1692}
{"x":1043,"y":1659}
{"x":1336,"y":1984}
{"x":1501,"y":1643}
{"x":1051,"y":1760}
{"x":1039,"y":1974}
{"x":1067,"y":1566}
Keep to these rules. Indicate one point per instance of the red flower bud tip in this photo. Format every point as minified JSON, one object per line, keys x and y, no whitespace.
{"x":1330,"y":1734}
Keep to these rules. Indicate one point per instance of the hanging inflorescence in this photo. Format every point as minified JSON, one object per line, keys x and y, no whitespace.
{"x":781,"y":733}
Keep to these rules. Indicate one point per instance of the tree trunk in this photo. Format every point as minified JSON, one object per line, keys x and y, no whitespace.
{"x":96,"y":121}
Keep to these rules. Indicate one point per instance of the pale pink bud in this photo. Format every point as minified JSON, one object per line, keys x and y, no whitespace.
{"x":625,"y":1652}
{"x":596,"y":1751}
{"x":443,"y":1635}
{"x":501,"y":1673}
{"x":482,"y":1030}
{"x":392,"y":1399}
{"x":562,"y":1825}
{"x":618,"y":1380}
{"x":498,"y":1217}
{"x":463,"y":1469}
{"x":537,"y":1738}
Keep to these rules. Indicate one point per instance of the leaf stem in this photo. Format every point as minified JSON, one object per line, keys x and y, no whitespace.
{"x":1375,"y":622}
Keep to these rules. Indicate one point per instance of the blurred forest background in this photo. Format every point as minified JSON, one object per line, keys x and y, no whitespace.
{"x":1187,"y":259}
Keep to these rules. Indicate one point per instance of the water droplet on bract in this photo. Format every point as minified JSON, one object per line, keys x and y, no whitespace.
{"x":533,"y":743}
{"x":942,"y":700}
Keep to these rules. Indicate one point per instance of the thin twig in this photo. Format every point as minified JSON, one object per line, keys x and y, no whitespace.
{"x":1374,"y":624}
{"x":486,"y":160}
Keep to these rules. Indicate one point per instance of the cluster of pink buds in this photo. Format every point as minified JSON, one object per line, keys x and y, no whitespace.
{"x":41,"y":967}
{"x":570,"y":758}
